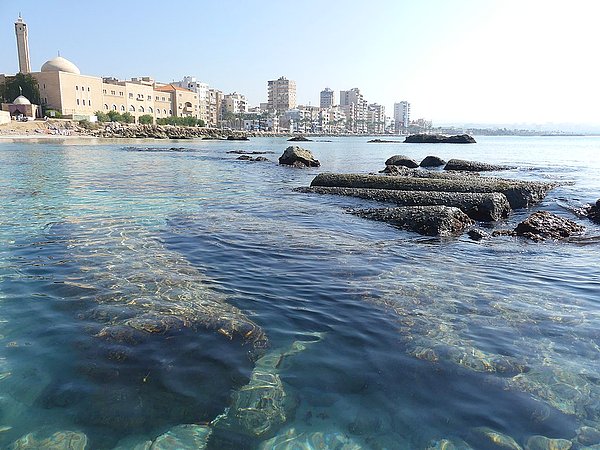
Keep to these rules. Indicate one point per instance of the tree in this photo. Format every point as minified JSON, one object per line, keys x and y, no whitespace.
{"x":21,"y":84}
{"x":127,"y":118}
{"x":113,"y":116}
{"x":102,"y":117}
{"x":146,"y":119}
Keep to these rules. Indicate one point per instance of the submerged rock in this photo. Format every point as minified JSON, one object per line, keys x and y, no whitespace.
{"x":474,"y":166}
{"x":401,"y":160}
{"x":484,"y":207}
{"x":484,"y":437}
{"x":298,"y":157}
{"x":432,"y":161}
{"x":477,"y":234}
{"x":426,"y":220}
{"x":544,"y":443}
{"x":183,"y":437}
{"x":235,"y":137}
{"x":448,"y":444}
{"x":61,"y":440}
{"x":588,"y":435}
{"x":260,"y":407}
{"x":520,"y":194}
{"x":417,"y":173}
{"x":439,"y":139}
{"x":381,"y":141}
{"x":251,"y":158}
{"x":293,"y":440}
{"x":543,"y":225}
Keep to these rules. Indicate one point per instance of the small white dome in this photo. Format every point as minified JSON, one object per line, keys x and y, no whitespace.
{"x":60,"y":64}
{"x":20,"y":100}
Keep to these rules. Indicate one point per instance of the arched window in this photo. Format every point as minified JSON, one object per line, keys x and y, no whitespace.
{"x":122,"y":107}
{"x":165,"y":112}
{"x":150,"y":109}
{"x":141,"y":109}
{"x":114,"y":107}
{"x":171,"y":111}
{"x":132,"y":108}
{"x":106,"y":106}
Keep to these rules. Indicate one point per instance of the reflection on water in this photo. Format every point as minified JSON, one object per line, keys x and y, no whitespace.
{"x":139,"y":296}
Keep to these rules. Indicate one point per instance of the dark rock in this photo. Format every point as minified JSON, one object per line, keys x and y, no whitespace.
{"x":593,"y":212}
{"x":250,"y":158}
{"x":485,"y":207}
{"x":390,"y":170}
{"x":299,"y":139}
{"x":477,"y":235}
{"x":426,"y":220}
{"x":298,"y":157}
{"x":496,"y":233}
{"x":474,"y":166}
{"x":233,"y":137}
{"x":520,"y":194}
{"x":381,"y":141}
{"x":543,"y":225}
{"x":245,"y":152}
{"x":401,"y":160}
{"x":432,"y":161}
{"x":439,"y":139}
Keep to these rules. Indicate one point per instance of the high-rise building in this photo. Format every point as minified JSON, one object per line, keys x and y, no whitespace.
{"x":401,"y":116}
{"x":22,"y":45}
{"x":355,"y":108}
{"x":327,"y":98}
{"x":201,"y":89}
{"x":281,"y":95}
{"x":376,"y":118}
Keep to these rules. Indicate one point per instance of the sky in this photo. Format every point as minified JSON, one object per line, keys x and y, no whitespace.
{"x":455,"y":61}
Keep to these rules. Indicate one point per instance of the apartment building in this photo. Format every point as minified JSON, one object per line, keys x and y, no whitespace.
{"x":281,"y":95}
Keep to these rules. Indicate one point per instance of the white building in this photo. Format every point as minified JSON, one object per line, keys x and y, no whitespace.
{"x":355,"y":108}
{"x":327,"y":98}
{"x":281,"y":95}
{"x":234,"y":103}
{"x":201,"y":89}
{"x":401,"y":116}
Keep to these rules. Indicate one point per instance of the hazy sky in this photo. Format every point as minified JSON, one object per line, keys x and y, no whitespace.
{"x":484,"y":61}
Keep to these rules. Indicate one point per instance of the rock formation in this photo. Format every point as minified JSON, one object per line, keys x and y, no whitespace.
{"x":439,"y":139}
{"x":474,"y":166}
{"x":298,"y":157}
{"x":401,"y":160}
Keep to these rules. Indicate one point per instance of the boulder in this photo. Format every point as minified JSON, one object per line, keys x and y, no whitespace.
{"x":439,"y":139}
{"x":381,"y":141}
{"x":251,"y":158}
{"x":233,"y":137}
{"x":425,"y":220}
{"x":543,"y":225}
{"x":520,"y":194}
{"x":593,"y":212}
{"x":401,"y":160}
{"x":474,"y":166}
{"x":485,"y":207}
{"x":544,"y":443}
{"x":484,"y":437}
{"x":298,"y":157}
{"x":61,"y":440}
{"x":477,"y":235}
{"x":588,"y":435}
{"x":432,"y":161}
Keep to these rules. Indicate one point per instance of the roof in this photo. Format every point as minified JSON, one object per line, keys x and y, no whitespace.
{"x":60,"y":64}
{"x":170,"y":88}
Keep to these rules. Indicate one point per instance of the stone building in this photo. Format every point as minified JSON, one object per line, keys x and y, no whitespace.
{"x":281,"y":95}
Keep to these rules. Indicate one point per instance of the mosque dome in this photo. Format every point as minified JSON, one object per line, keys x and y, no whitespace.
{"x":20,"y":100}
{"x":60,"y":64}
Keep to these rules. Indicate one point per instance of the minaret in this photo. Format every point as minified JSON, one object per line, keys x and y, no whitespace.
{"x":22,"y":45}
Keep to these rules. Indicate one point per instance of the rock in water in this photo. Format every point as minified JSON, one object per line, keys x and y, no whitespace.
{"x":298,"y":157}
{"x":484,"y":437}
{"x":485,"y":207}
{"x":61,"y":440}
{"x":473,"y":166}
{"x":299,"y":139}
{"x":543,"y":225}
{"x":292,"y":440}
{"x":432,"y":161}
{"x":260,"y":407}
{"x":183,"y":437}
{"x":426,"y":220}
{"x":544,"y":443}
{"x":439,"y":139}
{"x":401,"y":160}
{"x":588,"y":436}
{"x":593,"y":212}
{"x":520,"y":194}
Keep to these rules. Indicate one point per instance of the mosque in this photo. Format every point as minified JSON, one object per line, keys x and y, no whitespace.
{"x":75,"y":96}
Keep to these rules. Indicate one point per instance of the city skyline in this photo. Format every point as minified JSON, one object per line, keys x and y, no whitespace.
{"x":503,"y":62}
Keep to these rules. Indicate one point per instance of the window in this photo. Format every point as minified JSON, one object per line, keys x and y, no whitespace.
{"x":131,"y":95}
{"x":121,"y":93}
{"x":76,"y":88}
{"x":114,"y":107}
{"x":132,"y":108}
{"x":157,"y":98}
{"x":122,"y":107}
{"x":171,"y":112}
{"x":77,"y":102}
{"x":150,"y":109}
{"x":165,"y":112}
{"x":88,"y":89}
{"x":44,"y":85}
{"x":141,"y":109}
{"x":112,"y":92}
{"x":149,"y":97}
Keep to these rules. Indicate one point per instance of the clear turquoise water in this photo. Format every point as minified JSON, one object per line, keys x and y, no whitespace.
{"x":423,"y":337}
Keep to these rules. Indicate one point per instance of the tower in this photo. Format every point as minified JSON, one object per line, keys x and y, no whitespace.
{"x":22,"y":45}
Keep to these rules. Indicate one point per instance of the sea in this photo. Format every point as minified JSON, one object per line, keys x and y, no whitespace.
{"x":148,"y":284}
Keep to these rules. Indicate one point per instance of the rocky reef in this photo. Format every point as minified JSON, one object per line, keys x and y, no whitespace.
{"x":439,"y":139}
{"x":425,"y":220}
{"x":474,"y":166}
